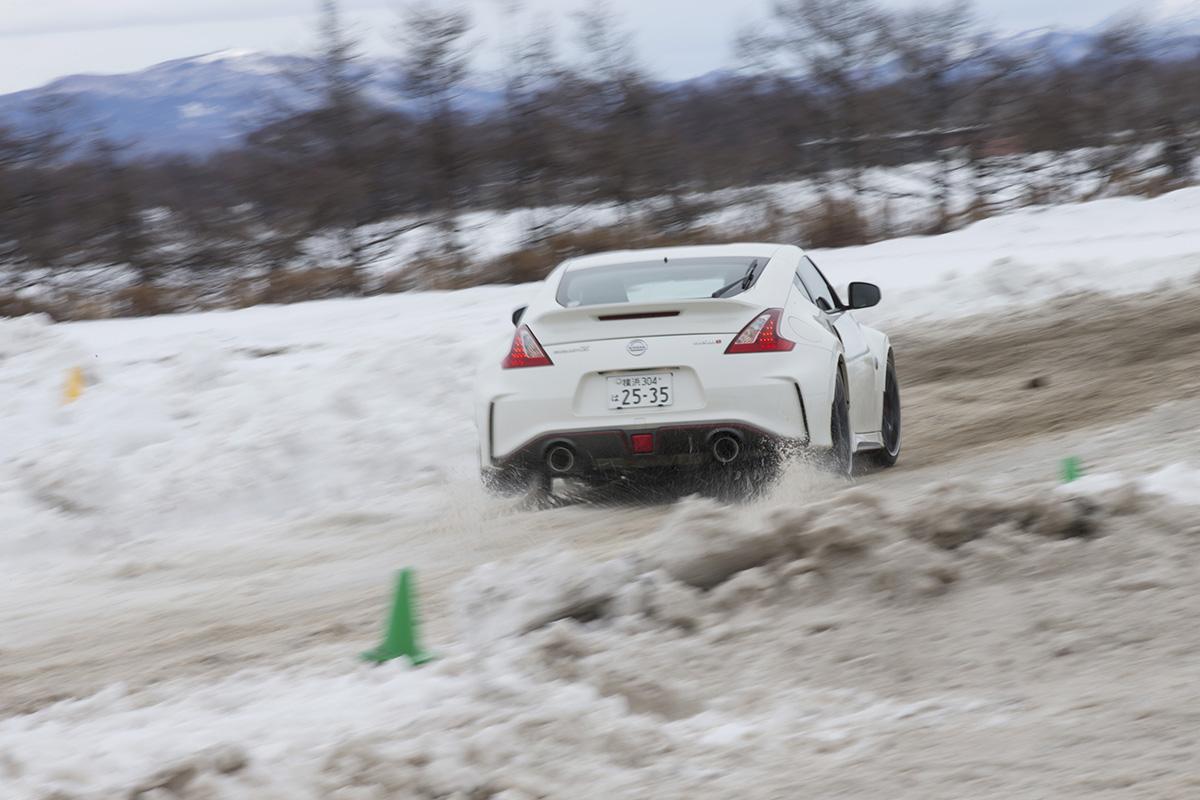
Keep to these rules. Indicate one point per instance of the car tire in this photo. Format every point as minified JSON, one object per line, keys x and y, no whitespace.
{"x":890,"y":420}
{"x":841,"y":455}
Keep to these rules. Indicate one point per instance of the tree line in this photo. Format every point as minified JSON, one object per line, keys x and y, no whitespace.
{"x":824,"y":84}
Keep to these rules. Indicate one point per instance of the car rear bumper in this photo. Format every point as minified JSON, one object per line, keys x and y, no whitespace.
{"x":612,"y":450}
{"x":781,"y":397}
{"x":774,"y":406}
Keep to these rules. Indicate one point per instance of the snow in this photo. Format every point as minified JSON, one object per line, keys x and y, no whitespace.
{"x":453,"y":726}
{"x":251,"y":416}
{"x":1175,"y":483}
{"x":892,"y":199}
{"x":712,"y":702}
{"x":1112,"y":246}
{"x":245,"y":418}
{"x":1021,"y":258}
{"x":232,"y":431}
{"x":1179,"y":483}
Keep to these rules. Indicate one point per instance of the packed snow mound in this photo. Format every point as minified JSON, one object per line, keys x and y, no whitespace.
{"x":709,"y":557}
{"x":731,"y":655}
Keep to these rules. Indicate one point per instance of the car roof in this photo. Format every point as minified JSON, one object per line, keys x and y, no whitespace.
{"x":747,"y":250}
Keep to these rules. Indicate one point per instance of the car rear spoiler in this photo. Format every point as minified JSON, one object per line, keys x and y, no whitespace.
{"x":624,"y":320}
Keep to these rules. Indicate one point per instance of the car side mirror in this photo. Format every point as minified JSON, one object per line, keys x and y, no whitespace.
{"x":517,"y":314}
{"x":840,"y":292}
{"x":864,"y":295}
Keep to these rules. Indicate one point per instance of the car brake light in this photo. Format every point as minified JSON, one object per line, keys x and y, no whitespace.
{"x":762,"y":335}
{"x":525,"y":351}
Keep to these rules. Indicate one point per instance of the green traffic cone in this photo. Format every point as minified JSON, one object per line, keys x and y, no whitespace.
{"x":1072,"y":470}
{"x":401,"y":637}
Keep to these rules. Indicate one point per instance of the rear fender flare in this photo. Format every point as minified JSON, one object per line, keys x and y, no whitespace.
{"x":817,"y":379}
{"x":880,"y":345}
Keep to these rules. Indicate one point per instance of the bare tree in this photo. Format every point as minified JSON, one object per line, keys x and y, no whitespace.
{"x":944,"y":60}
{"x":1118,"y":79}
{"x":856,"y":85}
{"x":532,"y":143}
{"x":12,"y":158}
{"x":316,"y":154}
{"x":339,"y":120}
{"x":124,"y":223}
{"x":46,"y":151}
{"x":615,"y":99}
{"x":838,"y":48}
{"x":435,"y":57}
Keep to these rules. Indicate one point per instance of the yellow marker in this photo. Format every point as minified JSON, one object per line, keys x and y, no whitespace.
{"x":75,"y":384}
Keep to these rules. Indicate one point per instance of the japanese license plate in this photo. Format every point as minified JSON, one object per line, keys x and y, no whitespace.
{"x":650,"y":390}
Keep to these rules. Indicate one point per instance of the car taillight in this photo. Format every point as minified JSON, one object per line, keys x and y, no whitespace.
{"x":762,"y":335}
{"x":525,"y":351}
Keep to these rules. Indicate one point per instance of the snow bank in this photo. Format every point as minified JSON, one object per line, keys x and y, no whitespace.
{"x":723,"y":552}
{"x":1114,"y":246}
{"x":198,"y":424}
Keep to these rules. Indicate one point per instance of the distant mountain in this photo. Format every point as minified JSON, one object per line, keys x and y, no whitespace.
{"x":202,"y":104}
{"x":192,"y":105}
{"x":1053,"y":45}
{"x":188,"y":105}
{"x":1172,"y":29}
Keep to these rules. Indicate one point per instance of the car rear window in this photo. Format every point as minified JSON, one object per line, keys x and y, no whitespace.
{"x":655,"y":281}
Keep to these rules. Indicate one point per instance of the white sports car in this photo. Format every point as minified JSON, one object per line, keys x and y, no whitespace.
{"x":718,"y":359}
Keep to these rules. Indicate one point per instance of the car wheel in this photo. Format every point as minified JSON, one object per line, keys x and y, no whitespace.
{"x":889,"y":454}
{"x":841,"y":456}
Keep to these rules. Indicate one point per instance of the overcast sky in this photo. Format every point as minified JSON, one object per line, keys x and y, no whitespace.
{"x":44,"y":39}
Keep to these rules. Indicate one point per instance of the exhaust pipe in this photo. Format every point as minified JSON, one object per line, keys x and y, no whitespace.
{"x":560,"y":459}
{"x":726,"y":448}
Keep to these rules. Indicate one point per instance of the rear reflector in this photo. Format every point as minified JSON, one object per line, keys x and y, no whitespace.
{"x":525,"y":351}
{"x":643,"y":443}
{"x":762,"y":335}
